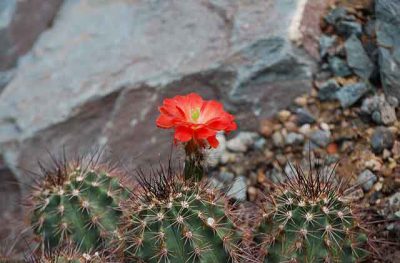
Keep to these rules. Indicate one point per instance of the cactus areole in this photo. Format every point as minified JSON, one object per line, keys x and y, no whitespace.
{"x":196,"y":123}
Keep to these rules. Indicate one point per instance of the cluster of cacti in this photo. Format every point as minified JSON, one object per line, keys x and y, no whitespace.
{"x":177,"y":217}
{"x":174,"y":220}
{"x":77,"y":204}
{"x":309,"y":220}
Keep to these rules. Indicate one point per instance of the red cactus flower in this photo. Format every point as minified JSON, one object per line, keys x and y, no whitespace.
{"x":195,"y":118}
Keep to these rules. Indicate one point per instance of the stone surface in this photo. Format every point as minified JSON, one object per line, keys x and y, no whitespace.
{"x":350,"y":94}
{"x":92,"y":80}
{"x":366,"y":179}
{"x":328,"y":89}
{"x":242,"y":141}
{"x":325,"y":44}
{"x":357,"y":59}
{"x":304,"y":117}
{"x":238,"y":189}
{"x":21,"y":22}
{"x":381,"y":139}
{"x":339,"y":67}
{"x":321,"y":138}
{"x":388,"y":38}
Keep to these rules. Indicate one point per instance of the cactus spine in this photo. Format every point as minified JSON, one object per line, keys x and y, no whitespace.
{"x":76,"y":205}
{"x":178,"y":221}
{"x":311,"y":221}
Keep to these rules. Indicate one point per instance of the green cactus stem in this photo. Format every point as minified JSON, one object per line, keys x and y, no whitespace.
{"x":174,"y":220}
{"x":77,"y":203}
{"x":310,"y":220}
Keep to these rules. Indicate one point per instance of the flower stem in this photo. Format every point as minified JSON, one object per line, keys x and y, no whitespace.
{"x":194,"y":162}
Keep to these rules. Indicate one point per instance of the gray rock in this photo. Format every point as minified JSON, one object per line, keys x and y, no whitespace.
{"x":5,"y":78}
{"x":366,"y":179}
{"x":260,"y":143}
{"x":275,"y":176}
{"x":381,"y":139}
{"x":381,"y":111}
{"x":293,"y":138}
{"x":328,"y":90}
{"x":339,"y":67}
{"x":388,"y":38}
{"x":214,"y":156}
{"x":370,"y":28}
{"x":348,"y":28}
{"x":350,"y":94}
{"x":242,"y":141}
{"x":387,"y":112}
{"x":304,"y":117}
{"x":370,"y":104}
{"x":226,"y":177}
{"x":21,"y":22}
{"x":376,"y":117}
{"x":321,"y":138}
{"x":335,"y":15}
{"x":325,"y":44}
{"x":238,"y":189}
{"x":277,"y":139}
{"x":357,"y":59}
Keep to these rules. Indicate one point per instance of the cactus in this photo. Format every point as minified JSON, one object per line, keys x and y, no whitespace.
{"x":174,"y":220}
{"x":310,"y":220}
{"x":69,"y":254}
{"x":78,"y":203}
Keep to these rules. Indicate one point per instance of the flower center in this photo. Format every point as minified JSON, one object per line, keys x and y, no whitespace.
{"x":195,"y":114}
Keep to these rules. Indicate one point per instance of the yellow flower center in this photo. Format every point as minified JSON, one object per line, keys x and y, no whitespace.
{"x":195,"y":114}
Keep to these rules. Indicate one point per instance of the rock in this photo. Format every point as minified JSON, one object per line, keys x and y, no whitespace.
{"x":366,"y":179}
{"x":357,"y":59}
{"x":370,"y":104}
{"x":293,"y":138}
{"x":242,"y":141}
{"x":304,"y":117}
{"x":381,"y":139}
{"x":112,"y":76}
{"x":376,"y":117}
{"x":214,"y":155}
{"x":339,"y":67}
{"x":275,"y":176}
{"x":305,"y":129}
{"x":278,"y":139}
{"x":226,"y":177}
{"x":350,"y":94}
{"x":321,"y":138}
{"x":388,"y":38}
{"x":284,"y":115}
{"x":370,"y":28}
{"x":327,"y":90}
{"x":387,"y":112}
{"x":238,"y":189}
{"x":348,"y":28}
{"x":325,"y":44}
{"x":335,"y":15}
{"x":21,"y":22}
{"x":260,"y":143}
{"x":5,"y":78}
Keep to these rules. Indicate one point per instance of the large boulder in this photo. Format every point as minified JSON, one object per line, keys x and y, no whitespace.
{"x":388,"y":37}
{"x":97,"y":76}
{"x":21,"y":22}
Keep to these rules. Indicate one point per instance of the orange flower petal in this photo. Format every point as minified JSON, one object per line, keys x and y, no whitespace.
{"x":183,"y":134}
{"x":213,"y":141}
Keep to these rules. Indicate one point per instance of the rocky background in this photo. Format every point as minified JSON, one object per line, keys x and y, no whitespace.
{"x":299,"y":75}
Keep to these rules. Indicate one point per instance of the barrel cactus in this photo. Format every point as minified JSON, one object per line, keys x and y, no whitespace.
{"x":310,"y":220}
{"x":175,"y":220}
{"x":69,"y":254}
{"x":77,"y":203}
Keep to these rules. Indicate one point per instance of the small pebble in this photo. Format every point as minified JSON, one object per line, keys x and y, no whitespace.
{"x":278,"y":139}
{"x":366,"y":179}
{"x":321,"y":138}
{"x":238,"y":189}
{"x":242,"y":141}
{"x":284,"y":115}
{"x":381,"y":139}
